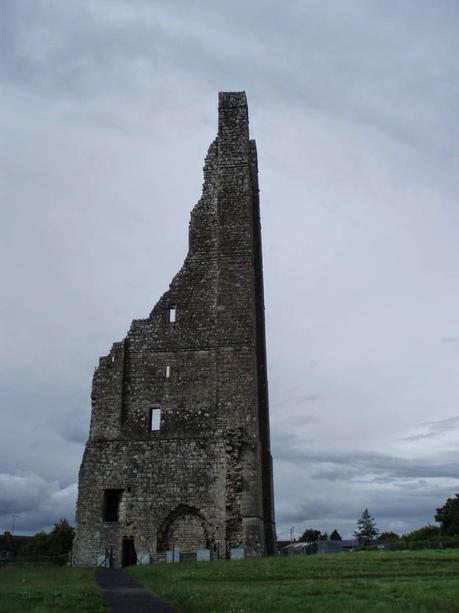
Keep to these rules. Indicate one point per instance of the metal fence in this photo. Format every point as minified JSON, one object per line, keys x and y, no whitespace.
{"x":35,"y":560}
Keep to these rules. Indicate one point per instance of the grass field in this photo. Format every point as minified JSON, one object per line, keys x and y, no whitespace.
{"x":48,"y":590}
{"x":357,"y":582}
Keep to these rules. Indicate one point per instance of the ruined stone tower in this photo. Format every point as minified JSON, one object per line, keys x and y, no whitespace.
{"x":178,"y":455}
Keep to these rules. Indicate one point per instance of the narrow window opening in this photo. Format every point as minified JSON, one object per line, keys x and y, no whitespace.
{"x":172,"y":315}
{"x":111,"y":506}
{"x":155,"y":419}
{"x":168,"y":372}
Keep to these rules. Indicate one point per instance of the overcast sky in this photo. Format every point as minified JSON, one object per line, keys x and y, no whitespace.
{"x":107,"y":108}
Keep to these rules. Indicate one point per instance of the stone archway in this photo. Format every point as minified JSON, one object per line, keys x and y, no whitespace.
{"x":184,"y":528}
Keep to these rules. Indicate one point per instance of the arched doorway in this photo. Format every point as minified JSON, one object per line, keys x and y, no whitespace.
{"x":184,"y":528}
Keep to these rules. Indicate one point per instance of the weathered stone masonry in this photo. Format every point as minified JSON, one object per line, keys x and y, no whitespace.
{"x":204,"y":478}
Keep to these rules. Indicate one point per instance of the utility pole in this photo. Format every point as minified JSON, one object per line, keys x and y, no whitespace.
{"x":13,"y":515}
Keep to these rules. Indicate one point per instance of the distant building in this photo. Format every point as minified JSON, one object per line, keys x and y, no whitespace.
{"x":336,"y":546}
{"x":309,"y":548}
{"x":10,"y":544}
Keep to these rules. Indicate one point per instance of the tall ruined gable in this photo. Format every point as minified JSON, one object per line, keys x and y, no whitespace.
{"x":201,"y":477}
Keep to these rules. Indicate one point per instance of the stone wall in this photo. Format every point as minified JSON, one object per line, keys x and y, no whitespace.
{"x":199,"y":358}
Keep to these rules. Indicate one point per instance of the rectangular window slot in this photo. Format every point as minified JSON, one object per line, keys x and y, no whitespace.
{"x":168,"y":372}
{"x":112,"y":499}
{"x":172,"y":315}
{"x":155,"y":419}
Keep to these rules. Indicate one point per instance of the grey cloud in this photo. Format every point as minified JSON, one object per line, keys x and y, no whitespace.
{"x":358,"y":73}
{"x":356,"y":465}
{"x":49,"y":47}
{"x":302,"y":399}
{"x":105,"y":103}
{"x":304,"y":418}
{"x":291,"y":399}
{"x":412,"y":510}
{"x":74,"y":427}
{"x":435,"y":428}
{"x":338,"y":504}
{"x":333,"y":471}
{"x":35,"y":502}
{"x":310,"y":510}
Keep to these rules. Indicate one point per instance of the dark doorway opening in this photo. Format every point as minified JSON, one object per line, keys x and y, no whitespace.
{"x":128,"y":553}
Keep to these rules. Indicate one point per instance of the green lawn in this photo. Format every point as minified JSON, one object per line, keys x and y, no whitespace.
{"x":25,"y":589}
{"x":357,"y":582}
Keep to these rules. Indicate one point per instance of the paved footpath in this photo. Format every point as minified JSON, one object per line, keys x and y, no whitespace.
{"x":124,"y":594}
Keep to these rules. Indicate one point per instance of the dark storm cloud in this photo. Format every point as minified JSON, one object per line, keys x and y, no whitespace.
{"x":105,"y":103}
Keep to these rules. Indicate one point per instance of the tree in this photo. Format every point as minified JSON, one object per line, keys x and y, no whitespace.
{"x":426,"y":533}
{"x":389,"y":537}
{"x":37,"y":547}
{"x":323,"y":537}
{"x":448,"y":516}
{"x":56,"y":544}
{"x":61,"y":538}
{"x":366,"y":529}
{"x":310,"y":536}
{"x":335,"y":536}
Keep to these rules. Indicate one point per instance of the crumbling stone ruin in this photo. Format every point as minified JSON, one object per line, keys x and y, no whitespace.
{"x":178,"y":456}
